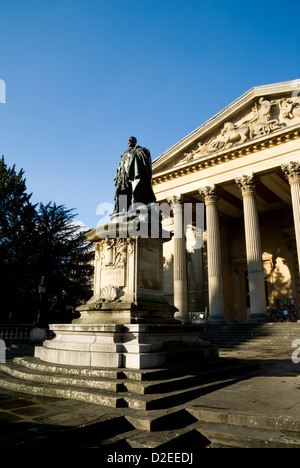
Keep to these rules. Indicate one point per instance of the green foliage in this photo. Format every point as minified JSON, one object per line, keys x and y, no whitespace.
{"x":17,"y":226}
{"x":61,"y":258}
{"x":35,"y":242}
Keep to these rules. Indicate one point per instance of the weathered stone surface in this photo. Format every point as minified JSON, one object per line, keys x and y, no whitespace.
{"x":133,"y":346}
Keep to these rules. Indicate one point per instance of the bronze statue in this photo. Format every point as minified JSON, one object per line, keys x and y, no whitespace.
{"x":134,"y":177}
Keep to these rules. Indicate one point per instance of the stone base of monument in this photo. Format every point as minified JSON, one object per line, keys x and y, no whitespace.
{"x":131,"y":346}
{"x":127,"y":323}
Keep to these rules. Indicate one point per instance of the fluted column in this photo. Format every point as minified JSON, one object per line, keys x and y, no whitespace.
{"x":214,"y":259}
{"x":179,"y":262}
{"x":292,"y":172}
{"x":247,"y":185}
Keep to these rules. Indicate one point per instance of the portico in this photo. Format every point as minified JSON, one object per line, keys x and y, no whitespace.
{"x":243,"y":165}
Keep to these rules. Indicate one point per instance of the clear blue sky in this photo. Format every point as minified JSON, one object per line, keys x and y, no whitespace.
{"x":83,"y":75}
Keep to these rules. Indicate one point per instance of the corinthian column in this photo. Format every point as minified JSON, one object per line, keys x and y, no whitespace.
{"x":292,"y":172}
{"x":179,"y":263}
{"x":247,"y":185}
{"x":214,"y":260}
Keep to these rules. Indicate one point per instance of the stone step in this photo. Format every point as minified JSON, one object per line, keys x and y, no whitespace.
{"x":141,"y":395}
{"x":110,"y":399}
{"x":269,"y":337}
{"x":272,"y":344}
{"x":248,"y":329}
{"x":96,"y":383}
{"x":182,"y":437}
{"x":247,"y":430}
{"x":181,"y":382}
{"x":235,"y":418}
{"x":37,"y":364}
{"x":42,"y":366}
{"x":134,"y":387}
{"x":157,"y":420}
{"x":136,"y":382}
{"x":80,"y":394}
{"x":159,"y":401}
{"x":245,"y":437}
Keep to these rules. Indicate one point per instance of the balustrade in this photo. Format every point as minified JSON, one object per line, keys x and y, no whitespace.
{"x":21,"y":333}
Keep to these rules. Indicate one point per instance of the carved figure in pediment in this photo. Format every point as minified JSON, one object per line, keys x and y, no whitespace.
{"x":265,"y":118}
{"x":263,"y":110}
{"x":187,"y":157}
{"x":234,"y":135}
{"x":216,"y":143}
{"x":291,"y":108}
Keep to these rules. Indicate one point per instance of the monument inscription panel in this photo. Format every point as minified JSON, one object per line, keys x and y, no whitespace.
{"x":113,"y":276}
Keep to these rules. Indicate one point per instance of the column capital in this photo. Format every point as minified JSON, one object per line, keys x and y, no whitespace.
{"x":210,"y":194}
{"x":176,"y":200}
{"x":247,"y":183}
{"x":291,"y":171}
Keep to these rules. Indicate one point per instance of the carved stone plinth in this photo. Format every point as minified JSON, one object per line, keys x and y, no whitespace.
{"x":128,"y":322}
{"x":128,"y":278}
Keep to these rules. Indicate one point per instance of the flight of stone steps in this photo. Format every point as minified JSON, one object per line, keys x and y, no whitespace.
{"x":150,"y":405}
{"x":269,"y":338}
{"x":157,"y":409}
{"x":119,"y":388}
{"x":160,"y":409}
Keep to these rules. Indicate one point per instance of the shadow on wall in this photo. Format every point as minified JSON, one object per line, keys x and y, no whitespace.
{"x":279,"y":281}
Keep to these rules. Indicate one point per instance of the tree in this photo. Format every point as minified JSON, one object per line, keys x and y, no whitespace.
{"x":62,"y":254}
{"x":38,"y":242}
{"x":17,"y":227}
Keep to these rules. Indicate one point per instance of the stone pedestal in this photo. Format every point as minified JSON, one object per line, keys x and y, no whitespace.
{"x":127,"y":323}
{"x":137,"y":346}
{"x":128,"y":280}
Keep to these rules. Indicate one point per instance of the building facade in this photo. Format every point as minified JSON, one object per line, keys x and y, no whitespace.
{"x":242,"y":168}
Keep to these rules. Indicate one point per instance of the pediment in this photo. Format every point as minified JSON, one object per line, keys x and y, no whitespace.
{"x":259,"y":113}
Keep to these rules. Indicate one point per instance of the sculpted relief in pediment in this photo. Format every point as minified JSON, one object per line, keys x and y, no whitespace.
{"x":264,"y":118}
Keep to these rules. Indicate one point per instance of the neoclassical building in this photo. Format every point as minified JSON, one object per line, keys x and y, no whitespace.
{"x":243,"y":168}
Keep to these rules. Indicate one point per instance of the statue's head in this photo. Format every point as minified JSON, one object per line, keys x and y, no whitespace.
{"x":132,"y":141}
